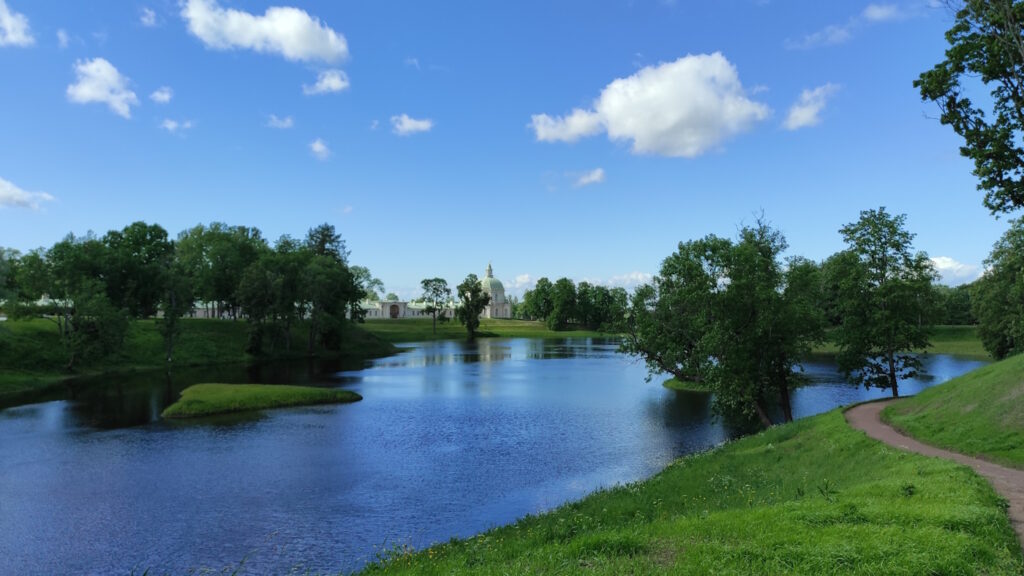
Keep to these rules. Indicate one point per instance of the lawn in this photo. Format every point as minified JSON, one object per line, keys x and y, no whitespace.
{"x":957,"y":340}
{"x":980,"y":413}
{"x":32,"y":359}
{"x":210,"y":399}
{"x":811,"y":497}
{"x":421,"y":330}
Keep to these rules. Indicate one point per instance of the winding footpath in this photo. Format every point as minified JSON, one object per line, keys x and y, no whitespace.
{"x":1008,"y":482}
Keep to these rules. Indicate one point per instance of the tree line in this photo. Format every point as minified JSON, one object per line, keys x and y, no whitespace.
{"x":733,"y":316}
{"x":564,"y":304}
{"x":97,"y":285}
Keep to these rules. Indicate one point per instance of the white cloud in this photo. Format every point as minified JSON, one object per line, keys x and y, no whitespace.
{"x":328,"y":81}
{"x":404,"y":125}
{"x":806,"y":111}
{"x":319,"y":149}
{"x":839,"y":33}
{"x":374,"y":124}
{"x":828,"y":36}
{"x":681,"y":108}
{"x":282,"y":123}
{"x":347,"y":209}
{"x":13,"y":197}
{"x":629,"y":280}
{"x":62,"y":38}
{"x":595,"y":176}
{"x":98,"y":81}
{"x":882,"y":12}
{"x":147,"y":18}
{"x":524,"y":282}
{"x":413,"y":63}
{"x":578,"y":124}
{"x":284,"y":30}
{"x":174,"y":126}
{"x":162,"y":95}
{"x":953,"y":272}
{"x":14,"y":30}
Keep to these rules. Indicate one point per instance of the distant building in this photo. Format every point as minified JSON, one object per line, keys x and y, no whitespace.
{"x":393,"y":309}
{"x":499,"y":307}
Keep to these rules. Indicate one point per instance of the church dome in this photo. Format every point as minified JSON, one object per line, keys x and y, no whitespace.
{"x":493,"y":287}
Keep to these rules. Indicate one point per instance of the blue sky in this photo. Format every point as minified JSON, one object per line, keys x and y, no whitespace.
{"x":573,"y":138}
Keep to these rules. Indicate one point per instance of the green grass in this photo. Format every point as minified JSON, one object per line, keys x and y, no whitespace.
{"x":980,"y":413}
{"x":956,"y":340}
{"x":420,"y":330}
{"x":811,"y":497}
{"x":209,"y":399}
{"x":680,"y":386}
{"x":32,"y":360}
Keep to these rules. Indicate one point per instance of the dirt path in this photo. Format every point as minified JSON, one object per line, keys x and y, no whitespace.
{"x":1008,"y":482}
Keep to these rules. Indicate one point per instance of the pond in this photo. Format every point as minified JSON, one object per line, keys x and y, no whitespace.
{"x":451,"y":438}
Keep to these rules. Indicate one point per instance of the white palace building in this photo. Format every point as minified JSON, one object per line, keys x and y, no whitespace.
{"x":389,"y":309}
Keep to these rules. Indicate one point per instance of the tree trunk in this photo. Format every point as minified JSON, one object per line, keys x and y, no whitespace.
{"x":892,"y":377}
{"x":787,"y":407}
{"x":762,"y":415}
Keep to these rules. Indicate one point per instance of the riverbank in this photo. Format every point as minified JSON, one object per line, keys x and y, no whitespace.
{"x":421,"y":330}
{"x":955,"y":340}
{"x":32,"y":359}
{"x":201,"y":400}
{"x":979,"y":414}
{"x":810,"y":497}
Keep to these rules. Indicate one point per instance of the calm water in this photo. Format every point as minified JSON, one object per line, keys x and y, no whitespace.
{"x":450,"y":439}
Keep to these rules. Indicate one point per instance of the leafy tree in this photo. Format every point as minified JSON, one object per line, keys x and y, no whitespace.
{"x":731,"y":316}
{"x":986,"y":44}
{"x":954,"y":305}
{"x":367,"y":288}
{"x":176,"y":302}
{"x":886,"y":301}
{"x":391,"y":297}
{"x":436,"y":293}
{"x":328,"y":288}
{"x":472,"y":301}
{"x":258,"y":295}
{"x":563,"y":304}
{"x":134,"y":267}
{"x":587,"y":305}
{"x":324,"y":240}
{"x":537,"y":302}
{"x":670,"y":320}
{"x":998,"y":296}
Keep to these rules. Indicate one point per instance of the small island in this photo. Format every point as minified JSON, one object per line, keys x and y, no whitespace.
{"x":211,"y":399}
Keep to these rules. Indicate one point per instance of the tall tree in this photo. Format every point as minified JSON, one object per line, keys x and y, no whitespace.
{"x":472,"y":301}
{"x":998,"y":296}
{"x":436,"y":294}
{"x":176,"y":302}
{"x":324,"y":240}
{"x":886,"y":301}
{"x":537,"y":302}
{"x":563,"y":304}
{"x":367,"y":288}
{"x":986,"y":44}
{"x":134,"y":267}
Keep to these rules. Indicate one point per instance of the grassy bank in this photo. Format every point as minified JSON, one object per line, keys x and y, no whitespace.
{"x":980,"y":413}
{"x":958,"y":340}
{"x":681,"y":386}
{"x":421,"y":330}
{"x":812,"y":497}
{"x":32,"y":359}
{"x":209,"y":399}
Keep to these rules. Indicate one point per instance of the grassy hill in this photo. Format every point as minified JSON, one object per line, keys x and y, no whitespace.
{"x":980,"y":413}
{"x":811,"y":497}
{"x":421,"y":330}
{"x":31,"y":357}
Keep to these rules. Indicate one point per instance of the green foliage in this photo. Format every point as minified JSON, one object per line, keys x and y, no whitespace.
{"x":998,"y":296}
{"x":472,"y":301}
{"x":980,"y":413}
{"x":811,"y":497}
{"x":986,"y":43}
{"x":563,"y":304}
{"x":134,"y":264}
{"x":436,"y":294}
{"x":955,"y":305}
{"x":537,"y":302}
{"x":210,"y":399}
{"x":731,"y":318}
{"x":885,"y":300}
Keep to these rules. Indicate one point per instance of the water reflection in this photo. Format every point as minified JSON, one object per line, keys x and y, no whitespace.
{"x":450,"y":439}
